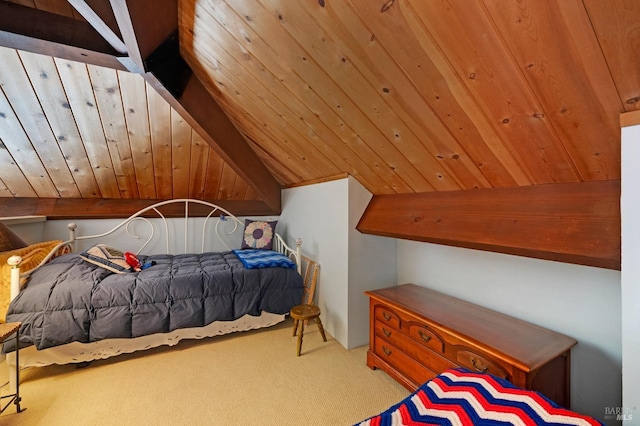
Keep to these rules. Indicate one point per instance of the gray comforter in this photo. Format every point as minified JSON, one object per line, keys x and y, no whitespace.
{"x":70,"y":299}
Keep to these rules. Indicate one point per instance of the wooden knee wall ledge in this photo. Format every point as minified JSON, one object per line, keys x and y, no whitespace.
{"x":567,"y":222}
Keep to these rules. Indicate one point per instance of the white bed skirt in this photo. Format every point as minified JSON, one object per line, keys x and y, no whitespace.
{"x":83,"y":352}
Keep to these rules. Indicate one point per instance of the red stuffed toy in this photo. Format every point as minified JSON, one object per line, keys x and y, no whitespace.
{"x":132,"y":260}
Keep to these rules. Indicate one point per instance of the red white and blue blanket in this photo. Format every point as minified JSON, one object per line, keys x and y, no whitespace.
{"x":461,"y":397}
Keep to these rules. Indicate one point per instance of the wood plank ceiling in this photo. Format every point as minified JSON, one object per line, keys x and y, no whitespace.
{"x":425,"y":95}
{"x":72,"y":130}
{"x":406,"y":96}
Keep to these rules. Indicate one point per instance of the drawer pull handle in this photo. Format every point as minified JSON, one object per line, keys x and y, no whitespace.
{"x":386,"y":332}
{"x":480,"y":369}
{"x":386,"y":351}
{"x":386,"y":316}
{"x":423,"y":336}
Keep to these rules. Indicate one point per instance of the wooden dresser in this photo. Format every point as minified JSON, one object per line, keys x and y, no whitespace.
{"x":416,"y":333}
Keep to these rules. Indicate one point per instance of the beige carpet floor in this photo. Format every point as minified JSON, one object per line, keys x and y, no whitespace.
{"x":250,"y":378}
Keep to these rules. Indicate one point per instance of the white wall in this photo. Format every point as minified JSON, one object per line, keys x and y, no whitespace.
{"x":30,"y":233}
{"x":631,"y":270}
{"x":579,"y":301}
{"x":372,"y":265}
{"x":324,"y":215}
{"x":318,"y":214}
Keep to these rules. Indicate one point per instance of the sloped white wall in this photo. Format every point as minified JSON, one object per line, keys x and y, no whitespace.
{"x":631,"y":272}
{"x":579,"y":301}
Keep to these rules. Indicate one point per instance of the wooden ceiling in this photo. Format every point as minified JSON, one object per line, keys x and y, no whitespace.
{"x":406,"y":96}
{"x":418,"y":96}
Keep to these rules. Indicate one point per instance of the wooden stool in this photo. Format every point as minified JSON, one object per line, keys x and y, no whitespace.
{"x":6,"y":330}
{"x":302,"y":314}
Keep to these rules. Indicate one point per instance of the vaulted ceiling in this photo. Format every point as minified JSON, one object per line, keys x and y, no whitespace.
{"x":406,"y":96}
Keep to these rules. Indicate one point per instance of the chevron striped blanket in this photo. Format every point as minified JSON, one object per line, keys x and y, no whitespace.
{"x":461,"y":397}
{"x":255,"y":259}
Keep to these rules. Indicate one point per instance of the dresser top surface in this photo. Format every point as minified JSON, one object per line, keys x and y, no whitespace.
{"x":527,"y":344}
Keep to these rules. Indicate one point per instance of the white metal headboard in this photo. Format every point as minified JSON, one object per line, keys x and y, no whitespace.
{"x":223,"y":214}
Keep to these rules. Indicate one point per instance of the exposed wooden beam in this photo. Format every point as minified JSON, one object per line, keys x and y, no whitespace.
{"x":65,"y":208}
{"x":567,"y":222}
{"x":99,"y":25}
{"x":144,"y":29}
{"x":145,"y":25}
{"x":630,"y":118}
{"x":36,"y":31}
{"x":206,"y":117}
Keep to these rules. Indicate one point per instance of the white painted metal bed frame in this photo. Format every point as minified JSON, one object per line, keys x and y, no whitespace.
{"x":83,"y":352}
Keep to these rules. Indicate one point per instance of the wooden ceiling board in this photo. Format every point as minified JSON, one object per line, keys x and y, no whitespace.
{"x":441,"y":114}
{"x":81,"y":100}
{"x":298,"y":98}
{"x":617,"y":27}
{"x":22,"y":153}
{"x":136,"y":111}
{"x":161,"y":141}
{"x":198,"y":166}
{"x":17,"y":143}
{"x":108,"y":101}
{"x":346,"y":90}
{"x":477,"y":53}
{"x":316,"y":158}
{"x":547,"y":40}
{"x":181,"y":155}
{"x":326,"y":52}
{"x":264,"y":135}
{"x":239,"y":189}
{"x":227,"y":180}
{"x":14,"y":182}
{"x":358,"y":45}
{"x":257,"y":109}
{"x":295,"y":83}
{"x":47,"y":85}
{"x":213,"y":177}
{"x":31,"y":130}
{"x":246,"y":120}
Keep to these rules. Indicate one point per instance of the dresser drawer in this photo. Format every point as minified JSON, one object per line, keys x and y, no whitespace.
{"x":385,"y":315}
{"x":403,"y":363}
{"x":425,"y":356}
{"x":475,"y":361}
{"x":384,"y":330}
{"x":422,"y":334}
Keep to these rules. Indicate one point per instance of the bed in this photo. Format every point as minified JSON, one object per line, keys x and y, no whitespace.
{"x":79,"y":304}
{"x":461,"y":397}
